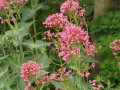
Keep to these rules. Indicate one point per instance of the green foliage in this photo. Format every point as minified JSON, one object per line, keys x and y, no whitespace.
{"x":37,"y":45}
{"x":109,"y":63}
{"x":89,"y":8}
{"x":107,"y":25}
{"x":107,"y":30}
{"x":86,"y":2}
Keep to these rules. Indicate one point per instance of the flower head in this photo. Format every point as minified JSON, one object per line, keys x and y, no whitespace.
{"x":8,"y":8}
{"x":69,"y":6}
{"x":87,"y":74}
{"x":29,"y":70}
{"x":61,"y":75}
{"x":71,"y":38}
{"x":56,"y":21}
{"x":115,"y":45}
{"x":90,"y":50}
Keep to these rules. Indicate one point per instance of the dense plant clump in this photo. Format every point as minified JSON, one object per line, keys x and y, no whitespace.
{"x":108,"y":48}
{"x":71,"y":42}
{"x":44,"y":50}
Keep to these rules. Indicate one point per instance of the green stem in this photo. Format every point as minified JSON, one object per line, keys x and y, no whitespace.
{"x":84,"y":21}
{"x":3,"y":51}
{"x":41,"y":87}
{"x":22,"y":53}
{"x":70,"y":18}
{"x":34,"y":28}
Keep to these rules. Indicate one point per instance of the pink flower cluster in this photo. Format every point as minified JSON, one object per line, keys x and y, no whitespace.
{"x":70,"y":39}
{"x":45,"y":77}
{"x":56,"y":21}
{"x":50,"y":35}
{"x":69,"y":6}
{"x":61,"y":75}
{"x":90,"y":50}
{"x":94,"y":86}
{"x":4,"y":4}
{"x":7,"y":8}
{"x":115,"y":45}
{"x":87,"y":74}
{"x":17,"y":1}
{"x":29,"y":87}
{"x":29,"y":71}
{"x":92,"y":66}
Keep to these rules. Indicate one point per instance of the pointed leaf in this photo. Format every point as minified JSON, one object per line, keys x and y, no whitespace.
{"x":37,"y":45}
{"x":1,"y":58}
{"x":27,"y":14}
{"x":58,"y":84}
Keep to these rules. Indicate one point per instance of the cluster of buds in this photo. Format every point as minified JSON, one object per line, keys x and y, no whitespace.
{"x":29,"y":71}
{"x":87,"y":74}
{"x":115,"y":45}
{"x":8,"y":8}
{"x":94,"y":85}
{"x":61,"y":75}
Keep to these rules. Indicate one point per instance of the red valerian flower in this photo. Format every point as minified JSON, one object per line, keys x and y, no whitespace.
{"x":29,"y":70}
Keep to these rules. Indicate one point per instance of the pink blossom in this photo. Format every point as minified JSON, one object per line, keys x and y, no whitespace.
{"x":29,"y":70}
{"x":56,"y":21}
{"x":80,"y":74}
{"x":57,"y":88}
{"x":100,"y":47}
{"x":94,"y":85}
{"x":94,"y":81}
{"x":45,"y":77}
{"x":90,"y":50}
{"x":69,"y":6}
{"x":7,"y":9}
{"x":92,"y":66}
{"x":70,"y":39}
{"x":87,"y":74}
{"x":82,"y":11}
{"x":61,"y":75}
{"x":29,"y":87}
{"x":114,"y":53}
{"x":53,"y":77}
{"x":115,"y":45}
{"x":99,"y":86}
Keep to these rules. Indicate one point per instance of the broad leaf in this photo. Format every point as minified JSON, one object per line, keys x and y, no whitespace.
{"x":39,"y":6}
{"x":44,"y":60}
{"x":2,"y":72}
{"x":27,"y":14}
{"x":37,"y":45}
{"x":1,"y":58}
{"x":58,"y":84}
